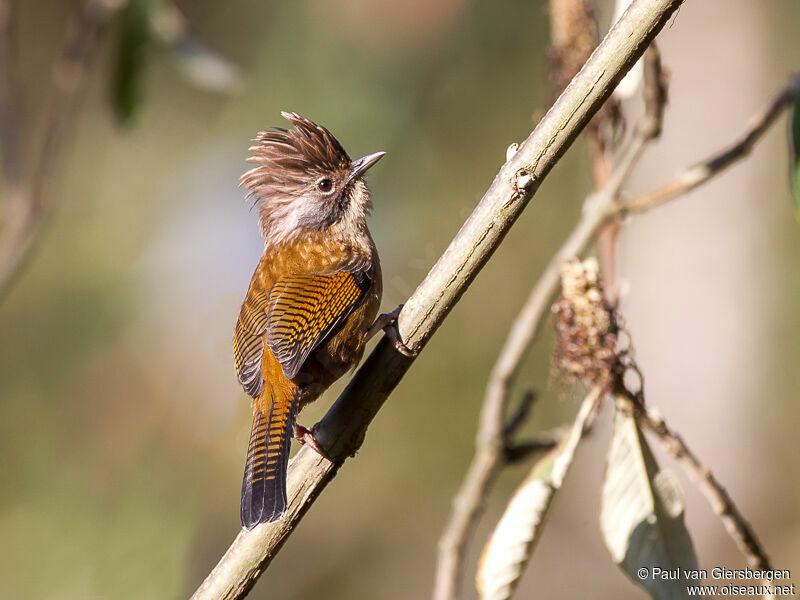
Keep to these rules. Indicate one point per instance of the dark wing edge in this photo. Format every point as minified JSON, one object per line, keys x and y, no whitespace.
{"x":248,"y":342}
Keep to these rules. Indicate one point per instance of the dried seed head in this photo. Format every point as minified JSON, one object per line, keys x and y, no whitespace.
{"x":586,"y":331}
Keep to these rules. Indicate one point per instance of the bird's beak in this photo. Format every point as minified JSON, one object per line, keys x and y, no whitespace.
{"x":360,"y":165}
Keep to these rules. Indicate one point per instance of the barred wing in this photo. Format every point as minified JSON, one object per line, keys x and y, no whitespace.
{"x":248,"y":343}
{"x":305,"y":309}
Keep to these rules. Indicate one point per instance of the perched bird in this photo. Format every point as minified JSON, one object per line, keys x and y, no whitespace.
{"x":313,"y":298}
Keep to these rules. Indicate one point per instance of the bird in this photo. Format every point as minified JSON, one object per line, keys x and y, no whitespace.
{"x":312,"y":301}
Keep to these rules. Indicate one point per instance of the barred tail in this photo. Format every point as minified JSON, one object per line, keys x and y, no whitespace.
{"x":264,"y":484}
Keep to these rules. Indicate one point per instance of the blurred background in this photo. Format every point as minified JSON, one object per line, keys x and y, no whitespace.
{"x":123,"y":427}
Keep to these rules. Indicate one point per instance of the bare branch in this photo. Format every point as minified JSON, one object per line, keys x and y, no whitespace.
{"x":600,"y":209}
{"x":719,"y":498}
{"x":655,"y":94}
{"x":343,"y":428}
{"x":511,"y":544}
{"x":26,"y":206}
{"x":613,"y":177}
{"x":629,"y":396}
{"x":491,"y":457}
{"x":698,"y":174}
{"x":520,"y":451}
{"x":721,"y":502}
{"x":521,"y":414}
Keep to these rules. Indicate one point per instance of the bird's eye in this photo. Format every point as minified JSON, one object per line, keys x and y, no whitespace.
{"x":325,"y":186}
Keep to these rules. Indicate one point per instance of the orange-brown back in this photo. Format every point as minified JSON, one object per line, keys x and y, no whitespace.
{"x":302,"y":326}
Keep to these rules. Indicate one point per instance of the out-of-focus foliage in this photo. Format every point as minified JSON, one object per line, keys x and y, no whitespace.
{"x":794,"y":147}
{"x":133,"y":40}
{"x":202,"y":66}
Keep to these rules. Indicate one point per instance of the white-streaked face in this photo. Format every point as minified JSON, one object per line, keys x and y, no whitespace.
{"x":305,"y":181}
{"x":327,"y":200}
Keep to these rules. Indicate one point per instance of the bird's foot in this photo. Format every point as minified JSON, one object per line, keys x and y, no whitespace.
{"x":306,"y":436}
{"x":388,"y":323}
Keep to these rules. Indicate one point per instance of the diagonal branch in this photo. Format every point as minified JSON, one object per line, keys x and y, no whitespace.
{"x":490,"y":457}
{"x":698,"y":174}
{"x":600,"y":208}
{"x":716,"y":494}
{"x":514,"y":539}
{"x":718,"y":497}
{"x":609,"y":176}
{"x":343,"y":428}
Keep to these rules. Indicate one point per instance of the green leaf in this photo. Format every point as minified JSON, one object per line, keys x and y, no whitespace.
{"x":511,"y":544}
{"x":794,"y":152}
{"x":130,"y":61}
{"x":641,"y":516}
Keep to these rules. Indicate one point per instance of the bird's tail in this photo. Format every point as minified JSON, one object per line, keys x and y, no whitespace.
{"x":264,"y":484}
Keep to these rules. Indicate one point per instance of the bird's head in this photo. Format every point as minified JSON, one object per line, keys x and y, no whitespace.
{"x":304,"y":180}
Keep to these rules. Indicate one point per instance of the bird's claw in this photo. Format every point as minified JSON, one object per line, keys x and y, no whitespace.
{"x":394,"y":336}
{"x":305,"y":436}
{"x":387,"y":322}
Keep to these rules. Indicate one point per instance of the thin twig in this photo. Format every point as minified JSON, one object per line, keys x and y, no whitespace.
{"x":23,"y":217}
{"x":520,"y":451}
{"x":719,"y":498}
{"x":698,"y":174}
{"x":514,"y":539}
{"x":600,"y":208}
{"x":721,"y":502}
{"x":490,"y":457}
{"x":614,"y":177}
{"x":654,"y":93}
{"x":521,"y":414}
{"x":342,"y":430}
